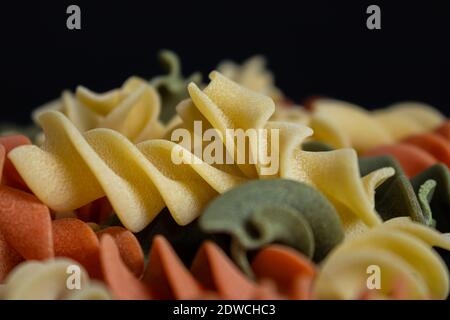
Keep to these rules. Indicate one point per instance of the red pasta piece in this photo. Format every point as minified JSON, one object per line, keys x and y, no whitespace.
{"x":2,"y":160}
{"x":129,"y":248}
{"x":25,"y":223}
{"x":310,"y":101}
{"x":301,"y":288}
{"x":121,"y":282}
{"x":10,"y":175}
{"x":72,"y":238}
{"x":215,"y":271}
{"x":166,"y":274}
{"x":206,"y":295}
{"x":9,"y":258}
{"x":97,"y":211}
{"x":444,"y":130}
{"x":267,"y":290}
{"x":432,"y":143}
{"x":412,"y":159}
{"x":10,"y":216}
{"x":398,"y":292}
{"x":290,"y":270}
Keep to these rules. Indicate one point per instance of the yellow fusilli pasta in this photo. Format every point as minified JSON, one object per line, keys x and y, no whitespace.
{"x":133,"y":109}
{"x":343,"y":124}
{"x":401,"y":249}
{"x":140,"y":180}
{"x":253,"y":75}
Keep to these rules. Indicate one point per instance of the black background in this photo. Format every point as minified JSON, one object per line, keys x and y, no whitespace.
{"x":313,"y":47}
{"x":285,"y":309}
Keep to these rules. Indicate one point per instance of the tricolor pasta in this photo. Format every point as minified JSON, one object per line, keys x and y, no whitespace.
{"x":141,"y":180}
{"x":211,"y":275}
{"x":348,"y":125}
{"x":401,"y":249}
{"x":171,"y":189}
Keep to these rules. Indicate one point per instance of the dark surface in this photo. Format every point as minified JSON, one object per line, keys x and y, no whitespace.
{"x":315,"y":47}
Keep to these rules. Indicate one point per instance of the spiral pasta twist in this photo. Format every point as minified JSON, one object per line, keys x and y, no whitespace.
{"x":138,"y":180}
{"x":172,"y":86}
{"x":72,"y":169}
{"x":252,"y":74}
{"x":343,"y":124}
{"x":133,"y":109}
{"x":211,"y":275}
{"x":337,"y":176}
{"x":261,"y":212}
{"x":401,"y":249}
{"x":418,"y":152}
{"x":27,"y":231}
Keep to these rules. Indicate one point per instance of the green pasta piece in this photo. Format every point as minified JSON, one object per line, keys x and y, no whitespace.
{"x":172,"y":86}
{"x":396,"y":196}
{"x":30,"y":131}
{"x":274,"y":224}
{"x":186,"y":240}
{"x":425,"y":195}
{"x":440,"y":202}
{"x":261,"y":212}
{"x":316,"y":146}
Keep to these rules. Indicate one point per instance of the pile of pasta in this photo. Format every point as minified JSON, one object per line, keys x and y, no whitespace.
{"x":95,"y":193}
